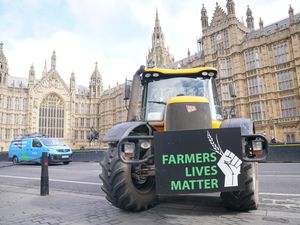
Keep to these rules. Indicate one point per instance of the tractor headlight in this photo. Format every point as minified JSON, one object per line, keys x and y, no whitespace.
{"x":211,"y":74}
{"x":147,"y":75}
{"x":145,"y":145}
{"x":129,"y":149}
{"x":257,"y":145}
{"x":256,"y":148}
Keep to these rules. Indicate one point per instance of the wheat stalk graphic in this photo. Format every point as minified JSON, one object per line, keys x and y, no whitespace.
{"x":216,"y":147}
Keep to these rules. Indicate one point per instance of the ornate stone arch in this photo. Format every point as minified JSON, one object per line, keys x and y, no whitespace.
{"x":52,"y":116}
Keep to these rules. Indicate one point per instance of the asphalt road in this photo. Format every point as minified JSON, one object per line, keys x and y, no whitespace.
{"x":76,"y":198}
{"x":277,"y":181}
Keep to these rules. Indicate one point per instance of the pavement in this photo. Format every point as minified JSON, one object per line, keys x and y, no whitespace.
{"x":24,"y":206}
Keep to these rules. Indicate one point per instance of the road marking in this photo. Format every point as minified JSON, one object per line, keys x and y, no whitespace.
{"x":279,"y":194}
{"x":54,"y":180}
{"x":92,"y":183}
{"x":278,"y":175}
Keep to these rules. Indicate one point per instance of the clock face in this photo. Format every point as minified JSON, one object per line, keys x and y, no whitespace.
{"x":219,"y":37}
{"x":157,"y":41}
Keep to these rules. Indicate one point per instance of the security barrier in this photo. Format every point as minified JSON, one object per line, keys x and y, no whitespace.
{"x":281,"y":153}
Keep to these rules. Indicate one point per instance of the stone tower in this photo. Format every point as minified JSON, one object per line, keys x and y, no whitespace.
{"x":53,"y":61}
{"x":158,"y":55}
{"x":230,"y":8}
{"x":96,"y":86}
{"x":291,"y":15}
{"x":72,"y":82}
{"x":250,"y":19}
{"x":3,"y":67}
{"x":204,"y":17}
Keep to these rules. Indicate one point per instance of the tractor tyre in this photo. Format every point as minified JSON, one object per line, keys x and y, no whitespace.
{"x":120,"y":186}
{"x":247,"y":199}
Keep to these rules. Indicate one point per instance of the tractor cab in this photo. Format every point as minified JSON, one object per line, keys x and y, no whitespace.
{"x":162,"y":85}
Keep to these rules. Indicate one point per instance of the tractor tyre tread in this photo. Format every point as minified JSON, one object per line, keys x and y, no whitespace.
{"x":247,"y":199}
{"x":118,"y":185}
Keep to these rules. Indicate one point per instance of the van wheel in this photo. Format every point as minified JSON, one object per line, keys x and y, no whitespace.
{"x":15,"y":160}
{"x":66,"y":163}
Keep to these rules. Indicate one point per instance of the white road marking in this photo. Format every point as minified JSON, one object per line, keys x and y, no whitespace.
{"x":279,"y":194}
{"x":92,"y":183}
{"x":55,"y":180}
{"x":278,"y":175}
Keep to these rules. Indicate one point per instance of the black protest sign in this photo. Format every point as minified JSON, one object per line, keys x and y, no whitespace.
{"x":195,"y":161}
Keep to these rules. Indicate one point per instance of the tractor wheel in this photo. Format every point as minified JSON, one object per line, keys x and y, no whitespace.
{"x":122,"y":189}
{"x":247,"y":199}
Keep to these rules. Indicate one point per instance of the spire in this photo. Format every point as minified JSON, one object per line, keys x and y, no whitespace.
{"x":31,"y":76}
{"x":291,"y":15}
{"x":230,"y":7}
{"x":204,"y":18}
{"x":3,"y":67}
{"x":156,"y":19}
{"x":31,"y":71}
{"x":96,"y":86}
{"x":73,"y":75}
{"x":291,"y":10}
{"x":53,"y":61}
{"x":72,"y":81}
{"x":2,"y":56}
{"x":96,"y":73}
{"x":45,"y":69}
{"x":249,"y":20}
{"x":261,"y":25}
{"x":158,"y":55}
{"x":158,"y":36}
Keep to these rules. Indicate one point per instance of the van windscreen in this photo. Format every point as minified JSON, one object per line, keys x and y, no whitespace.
{"x":51,"y":142}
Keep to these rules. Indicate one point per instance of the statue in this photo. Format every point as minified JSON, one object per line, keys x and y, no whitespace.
{"x":93,"y":135}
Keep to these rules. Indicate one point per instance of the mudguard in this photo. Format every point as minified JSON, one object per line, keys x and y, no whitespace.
{"x":122,"y":130}
{"x":246,"y":125}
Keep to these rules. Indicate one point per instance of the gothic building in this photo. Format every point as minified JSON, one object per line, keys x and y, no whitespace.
{"x":263,"y":64}
{"x":159,"y":55}
{"x":47,"y":105}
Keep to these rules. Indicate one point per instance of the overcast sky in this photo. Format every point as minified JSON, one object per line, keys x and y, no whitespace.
{"x":115,"y":33}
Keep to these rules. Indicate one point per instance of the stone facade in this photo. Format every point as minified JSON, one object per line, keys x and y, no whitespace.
{"x":49,"y":106}
{"x":262,"y":64}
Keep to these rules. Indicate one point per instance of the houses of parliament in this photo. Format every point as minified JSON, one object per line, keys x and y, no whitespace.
{"x":263,"y":64}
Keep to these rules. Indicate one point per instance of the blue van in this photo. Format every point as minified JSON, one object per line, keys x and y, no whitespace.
{"x":29,"y":149}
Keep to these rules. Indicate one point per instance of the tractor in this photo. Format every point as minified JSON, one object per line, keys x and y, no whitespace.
{"x":178,"y":143}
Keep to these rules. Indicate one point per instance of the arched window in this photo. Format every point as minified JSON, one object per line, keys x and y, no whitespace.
{"x":51,"y":121}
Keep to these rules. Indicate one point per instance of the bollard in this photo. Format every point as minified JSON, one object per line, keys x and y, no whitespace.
{"x":44,"y":175}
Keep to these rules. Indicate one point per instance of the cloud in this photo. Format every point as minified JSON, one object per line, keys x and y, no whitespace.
{"x":71,"y":54}
{"x":115,"y":33}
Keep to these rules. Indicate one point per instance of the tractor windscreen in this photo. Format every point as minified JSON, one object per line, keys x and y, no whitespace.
{"x":157,"y":92}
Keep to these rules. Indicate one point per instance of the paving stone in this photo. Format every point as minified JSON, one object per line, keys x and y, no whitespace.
{"x":25,"y":206}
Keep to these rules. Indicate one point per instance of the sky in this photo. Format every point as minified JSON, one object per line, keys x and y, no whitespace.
{"x":114,"y":33}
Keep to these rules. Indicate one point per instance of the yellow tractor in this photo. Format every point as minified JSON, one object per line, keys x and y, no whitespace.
{"x":179,"y":144}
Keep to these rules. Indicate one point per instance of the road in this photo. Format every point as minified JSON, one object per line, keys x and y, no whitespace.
{"x":277,"y":178}
{"x":279,"y":191}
